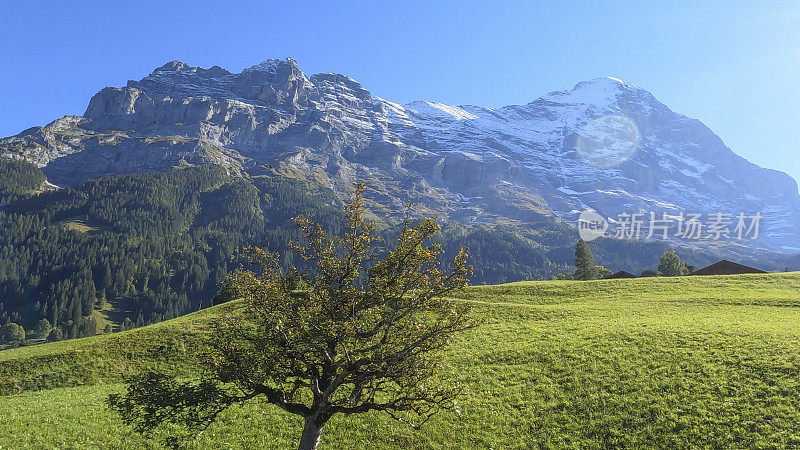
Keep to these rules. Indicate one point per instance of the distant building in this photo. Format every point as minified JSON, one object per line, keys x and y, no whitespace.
{"x":623,"y":274}
{"x":726,"y":267}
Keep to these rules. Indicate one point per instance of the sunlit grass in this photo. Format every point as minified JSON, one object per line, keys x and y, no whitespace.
{"x":681,"y":362}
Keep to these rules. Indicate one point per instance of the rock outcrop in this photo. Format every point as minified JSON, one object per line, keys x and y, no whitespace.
{"x":605,"y":144}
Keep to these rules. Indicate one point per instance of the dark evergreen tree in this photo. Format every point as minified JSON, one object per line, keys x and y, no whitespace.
{"x":584,"y":262}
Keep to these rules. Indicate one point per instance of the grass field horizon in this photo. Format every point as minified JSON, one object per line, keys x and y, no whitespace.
{"x":650,"y":362}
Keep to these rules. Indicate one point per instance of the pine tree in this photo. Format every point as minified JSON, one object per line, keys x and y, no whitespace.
{"x":107,"y":283}
{"x":584,"y":262}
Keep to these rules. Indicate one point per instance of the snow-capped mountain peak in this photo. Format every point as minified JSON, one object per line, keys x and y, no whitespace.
{"x":604,"y":144}
{"x":598,"y":92}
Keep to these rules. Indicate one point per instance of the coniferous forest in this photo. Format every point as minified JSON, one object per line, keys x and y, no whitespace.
{"x":121,"y":252}
{"x":133,"y":250}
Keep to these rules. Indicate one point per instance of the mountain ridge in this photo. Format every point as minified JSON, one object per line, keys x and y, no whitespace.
{"x":473,"y":164}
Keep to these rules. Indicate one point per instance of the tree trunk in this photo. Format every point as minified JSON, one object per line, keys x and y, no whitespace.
{"x":311,"y":434}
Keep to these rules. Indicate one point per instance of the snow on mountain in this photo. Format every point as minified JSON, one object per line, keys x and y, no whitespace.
{"x":604,"y":144}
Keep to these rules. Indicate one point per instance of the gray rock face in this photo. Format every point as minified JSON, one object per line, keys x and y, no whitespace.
{"x":605,"y":144}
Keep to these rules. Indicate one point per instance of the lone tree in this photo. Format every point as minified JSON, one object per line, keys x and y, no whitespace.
{"x":671,"y":265}
{"x":351,"y":333}
{"x":584,"y":262}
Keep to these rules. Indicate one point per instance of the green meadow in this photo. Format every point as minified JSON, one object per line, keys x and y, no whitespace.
{"x":708,"y":362}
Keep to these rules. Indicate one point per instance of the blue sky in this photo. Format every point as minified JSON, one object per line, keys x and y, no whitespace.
{"x":733,"y":65}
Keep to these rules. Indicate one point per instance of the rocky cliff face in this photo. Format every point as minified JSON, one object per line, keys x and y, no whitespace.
{"x":605,"y":144}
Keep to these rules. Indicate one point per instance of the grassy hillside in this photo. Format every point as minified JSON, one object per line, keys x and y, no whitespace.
{"x":677,"y":362}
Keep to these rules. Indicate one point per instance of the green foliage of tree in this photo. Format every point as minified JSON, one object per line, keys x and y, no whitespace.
{"x":649,"y":273}
{"x":363,"y":333}
{"x":603,"y":273}
{"x":12,"y":333}
{"x":585,"y":268}
{"x":227,"y":293}
{"x":671,"y":265}
{"x":55,"y":335}
{"x":42,"y":328}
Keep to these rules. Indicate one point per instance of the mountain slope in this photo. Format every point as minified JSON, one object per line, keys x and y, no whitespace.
{"x":117,"y":252}
{"x":675,"y":163}
{"x":605,"y":144}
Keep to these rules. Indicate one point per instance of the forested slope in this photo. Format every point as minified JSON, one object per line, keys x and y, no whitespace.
{"x":120,"y":252}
